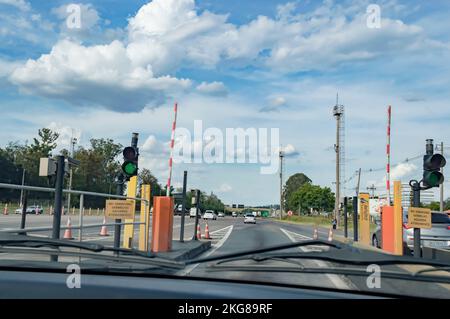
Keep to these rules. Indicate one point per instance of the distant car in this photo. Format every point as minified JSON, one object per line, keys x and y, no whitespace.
{"x":35,"y":210}
{"x":436,"y":237}
{"x":209,"y":214}
{"x":31,"y":210}
{"x":249,"y":219}
{"x":221,"y":214}
{"x":234,"y":214}
{"x":193,"y":211}
{"x":178,"y":210}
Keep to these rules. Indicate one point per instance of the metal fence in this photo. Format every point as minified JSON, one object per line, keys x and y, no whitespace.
{"x":81,"y":226}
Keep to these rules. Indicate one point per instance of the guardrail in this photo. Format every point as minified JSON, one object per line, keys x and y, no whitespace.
{"x":23,"y":229}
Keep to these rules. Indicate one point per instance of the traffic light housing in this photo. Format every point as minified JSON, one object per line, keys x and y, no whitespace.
{"x":130,"y":164}
{"x":432,"y":164}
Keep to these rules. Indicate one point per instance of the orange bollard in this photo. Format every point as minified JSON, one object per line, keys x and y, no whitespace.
{"x":68,"y":232}
{"x":330,"y":235}
{"x":162,"y":230}
{"x":104,"y":230}
{"x":207,"y":236}
{"x":316,"y":234}
{"x":199,"y":232}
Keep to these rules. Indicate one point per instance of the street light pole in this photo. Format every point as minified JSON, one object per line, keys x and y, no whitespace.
{"x":73,"y":141}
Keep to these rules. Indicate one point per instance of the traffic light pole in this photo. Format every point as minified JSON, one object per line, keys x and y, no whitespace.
{"x":117,"y":227}
{"x":58,"y":201}
{"x":416,"y":203}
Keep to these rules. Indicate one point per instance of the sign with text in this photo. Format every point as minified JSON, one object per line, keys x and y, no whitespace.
{"x":419,"y":217}
{"x":364,"y":218}
{"x":119,"y":209}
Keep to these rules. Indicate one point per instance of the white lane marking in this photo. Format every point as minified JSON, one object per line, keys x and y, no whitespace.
{"x":337,"y":281}
{"x":216,"y":246}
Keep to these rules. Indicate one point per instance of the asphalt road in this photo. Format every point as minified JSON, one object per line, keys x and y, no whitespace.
{"x":230,"y":235}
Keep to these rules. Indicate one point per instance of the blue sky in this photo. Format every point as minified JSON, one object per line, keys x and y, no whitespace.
{"x":271,"y":64}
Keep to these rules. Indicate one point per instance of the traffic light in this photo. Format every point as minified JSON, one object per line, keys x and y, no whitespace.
{"x":130,"y":164}
{"x":432,"y":164}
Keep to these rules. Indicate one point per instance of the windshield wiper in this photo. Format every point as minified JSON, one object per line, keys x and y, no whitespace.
{"x":329,"y":270}
{"x":341,"y":253}
{"x":8,"y":240}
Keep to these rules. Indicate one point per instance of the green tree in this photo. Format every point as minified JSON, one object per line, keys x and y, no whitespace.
{"x":292,"y":185}
{"x":436,"y":206}
{"x":98,"y":167}
{"x":310,"y":197}
{"x":146,"y":177}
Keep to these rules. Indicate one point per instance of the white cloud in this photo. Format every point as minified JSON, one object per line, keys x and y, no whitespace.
{"x":214,"y":88}
{"x":97,"y":75}
{"x":155,"y":147}
{"x":66,"y":133}
{"x":20,"y":4}
{"x":225,"y":188}
{"x":167,"y":34}
{"x":290,"y":150}
{"x":403,"y":170}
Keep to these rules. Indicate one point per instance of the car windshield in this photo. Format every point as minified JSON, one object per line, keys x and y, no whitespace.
{"x":438,"y":218}
{"x":148,"y":136}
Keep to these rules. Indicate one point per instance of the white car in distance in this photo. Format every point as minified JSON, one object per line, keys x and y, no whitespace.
{"x":209,"y":214}
{"x":249,"y":219}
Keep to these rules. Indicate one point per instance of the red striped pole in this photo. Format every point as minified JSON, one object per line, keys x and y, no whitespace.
{"x":388,"y":154}
{"x":172,"y":143}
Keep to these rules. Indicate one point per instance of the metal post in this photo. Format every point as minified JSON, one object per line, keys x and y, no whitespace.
{"x":117,"y":227}
{"x":416,"y":203}
{"x":345,"y":217}
{"x":73,"y":141}
{"x":196,"y":213}
{"x":281,"y":184}
{"x":23,"y":183}
{"x":183,"y":207}
{"x":80,"y":232}
{"x":24,"y":204}
{"x":441,"y":187}
{"x":355,"y":218}
{"x":58,"y":201}
{"x":338,"y":177}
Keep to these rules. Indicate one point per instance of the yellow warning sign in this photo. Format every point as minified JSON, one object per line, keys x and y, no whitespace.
{"x":419,"y":217}
{"x":364,"y":218}
{"x":119,"y":209}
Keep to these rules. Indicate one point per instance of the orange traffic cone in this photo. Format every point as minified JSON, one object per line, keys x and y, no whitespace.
{"x":207,"y":232}
{"x":199,"y":232}
{"x":5,"y":211}
{"x":104,"y":230}
{"x":68,"y":232}
{"x":330,"y":235}
{"x":316,"y":234}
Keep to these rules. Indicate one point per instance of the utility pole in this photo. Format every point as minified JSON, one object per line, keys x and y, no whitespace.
{"x":281,"y":183}
{"x":372,"y":189}
{"x":338,"y":112}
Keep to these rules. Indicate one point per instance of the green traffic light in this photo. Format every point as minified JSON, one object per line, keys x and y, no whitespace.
{"x":130,"y":168}
{"x":433,"y":179}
